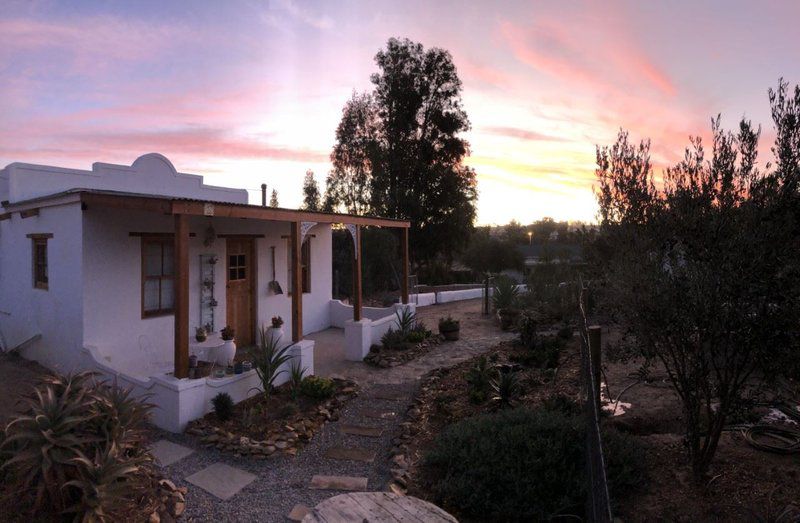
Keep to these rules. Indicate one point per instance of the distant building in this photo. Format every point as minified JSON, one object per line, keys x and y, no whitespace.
{"x":540,"y":253}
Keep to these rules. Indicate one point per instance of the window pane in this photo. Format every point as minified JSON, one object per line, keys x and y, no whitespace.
{"x":152,"y":259}
{"x":241,"y":275}
{"x":169,"y":259}
{"x":167,"y":294}
{"x":241,"y":260}
{"x":232,"y":273}
{"x":232,"y":261}
{"x":151,"y":295}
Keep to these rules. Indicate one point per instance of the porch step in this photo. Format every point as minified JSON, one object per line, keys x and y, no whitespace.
{"x":351,"y":454}
{"x":389,"y":395}
{"x":338,"y":483}
{"x":360,"y":430}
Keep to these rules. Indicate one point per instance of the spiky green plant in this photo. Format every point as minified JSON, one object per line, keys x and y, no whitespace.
{"x":505,"y":294}
{"x":223,"y":406}
{"x":68,"y":418}
{"x":506,"y":387}
{"x":296,"y":375}
{"x":268,"y":358}
{"x":406,"y":319}
{"x":479,"y":377}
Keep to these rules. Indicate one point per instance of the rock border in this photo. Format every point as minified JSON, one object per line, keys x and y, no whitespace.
{"x":284,"y":437}
{"x":171,"y":502}
{"x":385,"y":358}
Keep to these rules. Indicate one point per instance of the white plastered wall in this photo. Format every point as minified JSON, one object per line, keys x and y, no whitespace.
{"x":54,"y":314}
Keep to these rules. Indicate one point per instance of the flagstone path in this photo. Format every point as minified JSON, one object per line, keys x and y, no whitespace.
{"x":350,"y":454}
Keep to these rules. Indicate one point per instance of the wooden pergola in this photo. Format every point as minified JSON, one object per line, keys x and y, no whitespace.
{"x":183,"y":209}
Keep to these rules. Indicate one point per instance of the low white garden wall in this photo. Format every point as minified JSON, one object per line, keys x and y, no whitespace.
{"x":467,"y":294}
{"x":342,"y":312}
{"x":423,"y":299}
{"x":179,"y":401}
{"x":360,"y":335}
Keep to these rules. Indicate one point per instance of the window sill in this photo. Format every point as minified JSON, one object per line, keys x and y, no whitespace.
{"x":158,"y":314}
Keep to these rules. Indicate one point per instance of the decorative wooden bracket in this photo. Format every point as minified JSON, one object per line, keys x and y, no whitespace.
{"x":304,"y":228}
{"x":352,"y":228}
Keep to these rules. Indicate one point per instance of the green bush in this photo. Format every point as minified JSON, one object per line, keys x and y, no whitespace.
{"x":415,"y":337}
{"x":545,"y":355}
{"x":393,"y":339}
{"x":479,"y":378}
{"x":78,"y":451}
{"x":317,"y":388}
{"x":522,"y":465}
{"x":527,"y":330}
{"x":223,"y":406}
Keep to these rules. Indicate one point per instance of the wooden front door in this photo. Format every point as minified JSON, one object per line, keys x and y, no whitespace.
{"x":240,"y":289}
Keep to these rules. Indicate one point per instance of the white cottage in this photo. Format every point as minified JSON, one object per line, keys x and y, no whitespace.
{"x":113,"y":269}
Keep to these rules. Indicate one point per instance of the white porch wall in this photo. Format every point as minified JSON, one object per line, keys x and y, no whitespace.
{"x":56,"y":313}
{"x":112,"y":290}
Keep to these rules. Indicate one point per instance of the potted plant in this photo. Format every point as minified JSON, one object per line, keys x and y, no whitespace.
{"x":449,"y":328}
{"x":275,"y":331}
{"x":200,"y":334}
{"x":505,"y":298}
{"x":227,"y":351}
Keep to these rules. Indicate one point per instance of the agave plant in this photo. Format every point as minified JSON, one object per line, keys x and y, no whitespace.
{"x":406,"y":319}
{"x":505,"y":293}
{"x":506,"y":387}
{"x":479,"y":376}
{"x":268,"y":358}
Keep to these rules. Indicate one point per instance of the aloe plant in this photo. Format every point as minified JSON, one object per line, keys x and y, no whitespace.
{"x":506,"y":387}
{"x":296,"y":375}
{"x":505,"y":294}
{"x":268,"y":358}
{"x":406,"y":319}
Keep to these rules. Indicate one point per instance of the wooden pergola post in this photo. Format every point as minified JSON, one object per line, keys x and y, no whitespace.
{"x":181,"y":296}
{"x":296,"y":284}
{"x":357,"y":275}
{"x":404,"y":272}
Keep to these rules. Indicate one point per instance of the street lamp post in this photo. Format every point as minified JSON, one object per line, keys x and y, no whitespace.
{"x":530,"y":238}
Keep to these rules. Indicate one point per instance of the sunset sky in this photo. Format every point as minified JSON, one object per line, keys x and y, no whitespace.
{"x":251,"y":92}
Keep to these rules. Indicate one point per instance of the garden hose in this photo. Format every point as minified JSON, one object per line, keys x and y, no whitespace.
{"x":773,"y":438}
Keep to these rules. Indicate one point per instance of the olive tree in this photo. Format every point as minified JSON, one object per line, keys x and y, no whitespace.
{"x":699,"y":266}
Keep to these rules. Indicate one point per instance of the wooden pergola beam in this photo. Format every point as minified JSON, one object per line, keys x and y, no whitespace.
{"x":404,"y":272}
{"x":296,"y":284}
{"x":181,"y":296}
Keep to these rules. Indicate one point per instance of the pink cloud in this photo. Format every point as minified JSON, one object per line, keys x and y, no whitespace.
{"x":522,"y":134}
{"x":200,"y":143}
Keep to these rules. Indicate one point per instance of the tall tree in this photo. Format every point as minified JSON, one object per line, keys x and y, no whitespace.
{"x":310,"y":192}
{"x":273,"y":200}
{"x":401,"y":147}
{"x":347,"y":187}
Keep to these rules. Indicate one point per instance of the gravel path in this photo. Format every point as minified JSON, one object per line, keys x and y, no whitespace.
{"x":283,"y":482}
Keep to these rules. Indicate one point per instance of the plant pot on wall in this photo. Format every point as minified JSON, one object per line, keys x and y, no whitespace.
{"x":275,"y":334}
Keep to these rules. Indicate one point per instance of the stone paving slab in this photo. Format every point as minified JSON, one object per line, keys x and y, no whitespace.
{"x":167,"y":452}
{"x":338,"y":483}
{"x":221,"y":480}
{"x":360,"y":430}
{"x":298,"y":512}
{"x":351,"y":454}
{"x":379,"y":414}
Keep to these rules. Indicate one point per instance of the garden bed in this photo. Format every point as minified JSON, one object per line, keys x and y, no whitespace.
{"x":280,"y":425}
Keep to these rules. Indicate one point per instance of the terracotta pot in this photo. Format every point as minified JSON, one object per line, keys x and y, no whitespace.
{"x":226,"y":352}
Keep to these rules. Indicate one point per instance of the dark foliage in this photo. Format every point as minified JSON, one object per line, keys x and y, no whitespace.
{"x":223,"y":406}
{"x":522,"y":465}
{"x":317,"y":388}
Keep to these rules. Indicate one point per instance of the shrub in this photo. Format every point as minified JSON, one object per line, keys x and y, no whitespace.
{"x":479,"y":377}
{"x":415,"y":336}
{"x":79,"y":449}
{"x":565,"y":332}
{"x":393,"y":339}
{"x":268,"y":358}
{"x":563,"y":404}
{"x":527,"y":330}
{"x":448,"y":324}
{"x":545,"y":355}
{"x":317,"y":388}
{"x":223,"y":406}
{"x":505,"y":294}
{"x":527,"y":465}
